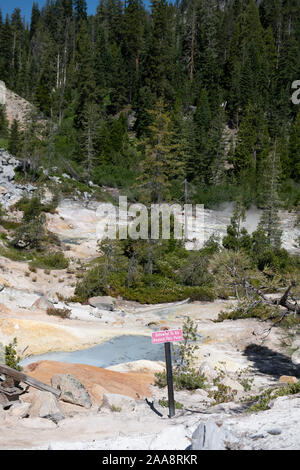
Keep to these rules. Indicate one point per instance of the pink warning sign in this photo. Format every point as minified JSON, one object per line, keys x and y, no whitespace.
{"x":166,"y":336}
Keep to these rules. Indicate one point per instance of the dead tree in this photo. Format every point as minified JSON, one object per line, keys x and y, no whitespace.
{"x":286,"y":300}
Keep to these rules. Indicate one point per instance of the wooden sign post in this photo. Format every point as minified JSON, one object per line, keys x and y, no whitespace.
{"x":168,"y":337}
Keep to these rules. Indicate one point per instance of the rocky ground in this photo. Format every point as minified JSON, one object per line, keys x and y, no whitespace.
{"x":121,"y":407}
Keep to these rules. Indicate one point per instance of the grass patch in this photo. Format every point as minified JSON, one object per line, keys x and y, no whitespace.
{"x":50,"y":261}
{"x":4,"y":143}
{"x":10,"y":224}
{"x":14,"y":254}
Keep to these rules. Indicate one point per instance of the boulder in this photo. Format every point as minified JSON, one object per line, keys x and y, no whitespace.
{"x":45,"y":405}
{"x":97,"y":393}
{"x":104,"y":302}
{"x":4,"y":402}
{"x":288,"y":379}
{"x":72,"y":390}
{"x":296,"y":357}
{"x":19,"y":410}
{"x":116,"y":402}
{"x":209,"y":436}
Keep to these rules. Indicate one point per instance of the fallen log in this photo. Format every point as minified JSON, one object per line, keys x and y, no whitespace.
{"x":21,"y":377}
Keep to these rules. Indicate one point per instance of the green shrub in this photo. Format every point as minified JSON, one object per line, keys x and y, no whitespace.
{"x":11,"y":357}
{"x":31,"y":207}
{"x":31,"y":234}
{"x":261,"y":402}
{"x":185,"y":376}
{"x":190,"y":380}
{"x":165,"y":404}
{"x":50,"y":261}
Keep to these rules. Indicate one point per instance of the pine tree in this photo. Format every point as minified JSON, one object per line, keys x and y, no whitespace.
{"x":3,"y":121}
{"x":86,"y":84}
{"x":294,"y":149}
{"x":157,"y":70}
{"x":161,"y":162}
{"x":35,"y":18}
{"x":269,"y":222}
{"x":14,"y":138}
{"x":133,"y":41}
{"x":80,"y":7}
{"x":90,"y":132}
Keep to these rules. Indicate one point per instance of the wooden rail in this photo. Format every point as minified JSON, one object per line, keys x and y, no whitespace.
{"x":21,"y":377}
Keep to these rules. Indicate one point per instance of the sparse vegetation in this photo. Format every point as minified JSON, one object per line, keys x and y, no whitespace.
{"x":165,"y":404}
{"x":185,"y":376}
{"x":11,"y":357}
{"x":49,"y":261}
{"x":59,"y":312}
{"x":261,"y":402}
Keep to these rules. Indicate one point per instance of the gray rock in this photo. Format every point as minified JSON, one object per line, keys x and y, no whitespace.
{"x":274,"y":432}
{"x":116,"y":402}
{"x":209,"y":436}
{"x":296,"y":357}
{"x":255,"y":437}
{"x":45,"y":405}
{"x":104,"y":302}
{"x":72,"y":390}
{"x":4,"y":402}
{"x":19,"y":410}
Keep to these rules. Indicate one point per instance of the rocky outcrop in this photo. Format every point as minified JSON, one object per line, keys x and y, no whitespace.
{"x":210,"y":436}
{"x":15,"y":106}
{"x":10,"y":191}
{"x":103,"y":302}
{"x":4,"y":402}
{"x":72,"y":391}
{"x":45,"y":405}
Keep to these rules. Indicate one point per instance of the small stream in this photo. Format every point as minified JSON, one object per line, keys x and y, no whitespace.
{"x":115,"y":351}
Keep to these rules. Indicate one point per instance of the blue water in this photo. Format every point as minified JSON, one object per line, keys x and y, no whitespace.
{"x":115,"y":351}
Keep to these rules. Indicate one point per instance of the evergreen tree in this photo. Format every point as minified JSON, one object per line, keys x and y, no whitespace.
{"x":80,"y":7}
{"x":14,"y":138}
{"x":161,"y":157}
{"x":270,"y":223}
{"x":3,"y":122}
{"x":90,"y":132}
{"x":294,"y":149}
